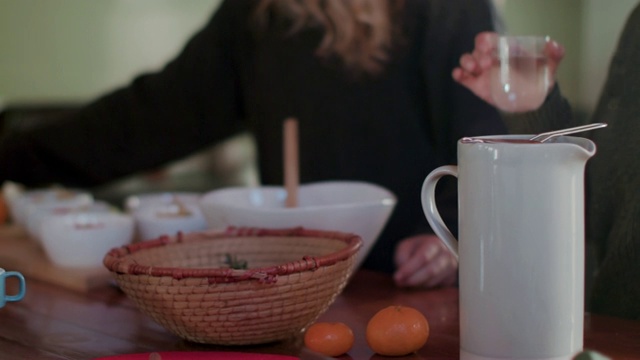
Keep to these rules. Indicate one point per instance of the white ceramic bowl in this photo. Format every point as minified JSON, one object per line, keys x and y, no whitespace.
{"x":29,"y":201}
{"x":135,"y":202}
{"x":348,"y":206}
{"x":82,"y":239}
{"x":153,"y":221}
{"x":39,"y":213}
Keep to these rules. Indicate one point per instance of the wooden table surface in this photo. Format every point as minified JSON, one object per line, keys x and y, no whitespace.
{"x":56,"y":323}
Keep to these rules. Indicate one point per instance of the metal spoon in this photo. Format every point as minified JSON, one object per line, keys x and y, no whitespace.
{"x":540,"y":138}
{"x":551,"y":134}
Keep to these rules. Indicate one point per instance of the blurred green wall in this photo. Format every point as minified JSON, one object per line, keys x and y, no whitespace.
{"x":71,"y":50}
{"x":602,"y":22}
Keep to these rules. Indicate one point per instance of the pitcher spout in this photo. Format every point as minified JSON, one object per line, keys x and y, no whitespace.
{"x":583,"y":147}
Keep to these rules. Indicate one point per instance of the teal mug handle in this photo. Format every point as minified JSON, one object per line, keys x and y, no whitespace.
{"x":4,"y":298}
{"x":428,"y":198}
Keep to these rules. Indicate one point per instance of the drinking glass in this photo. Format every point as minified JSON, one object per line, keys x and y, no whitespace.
{"x":520,"y":75}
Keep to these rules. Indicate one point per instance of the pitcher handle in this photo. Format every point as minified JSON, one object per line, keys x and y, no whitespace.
{"x":430,"y":209}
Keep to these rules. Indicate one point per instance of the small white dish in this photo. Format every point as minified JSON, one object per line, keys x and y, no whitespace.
{"x":31,"y":200}
{"x":348,"y":206}
{"x":139,"y":201}
{"x":83,"y":239}
{"x":38,"y":214}
{"x":153,"y":221}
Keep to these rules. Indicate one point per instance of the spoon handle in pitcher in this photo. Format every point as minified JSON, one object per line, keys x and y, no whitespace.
{"x":542,"y":137}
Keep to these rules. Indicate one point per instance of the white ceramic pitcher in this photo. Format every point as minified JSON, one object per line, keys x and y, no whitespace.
{"x":520,"y":248}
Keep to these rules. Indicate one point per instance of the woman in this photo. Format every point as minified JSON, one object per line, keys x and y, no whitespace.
{"x":368,"y":81}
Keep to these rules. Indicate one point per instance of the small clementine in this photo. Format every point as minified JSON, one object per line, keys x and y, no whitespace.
{"x":329,"y":338}
{"x":397,"y":330}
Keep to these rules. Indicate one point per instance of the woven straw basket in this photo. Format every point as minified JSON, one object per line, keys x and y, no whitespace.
{"x":185,"y":282}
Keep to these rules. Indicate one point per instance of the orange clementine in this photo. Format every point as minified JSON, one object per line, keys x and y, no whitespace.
{"x":329,"y":338}
{"x":397,"y":330}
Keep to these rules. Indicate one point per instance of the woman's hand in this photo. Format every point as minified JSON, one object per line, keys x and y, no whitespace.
{"x":424,"y":261}
{"x":474,"y":69}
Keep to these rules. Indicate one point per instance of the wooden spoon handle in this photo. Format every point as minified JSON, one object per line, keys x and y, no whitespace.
{"x":291,"y":161}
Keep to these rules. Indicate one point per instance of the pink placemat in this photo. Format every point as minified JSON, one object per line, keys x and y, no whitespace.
{"x":201,"y":355}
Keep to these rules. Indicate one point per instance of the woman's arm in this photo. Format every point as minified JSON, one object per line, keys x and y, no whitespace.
{"x":555,"y":113}
{"x":158,"y":118}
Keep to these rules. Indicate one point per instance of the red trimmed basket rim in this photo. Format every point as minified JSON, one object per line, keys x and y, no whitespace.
{"x":118,"y":260}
